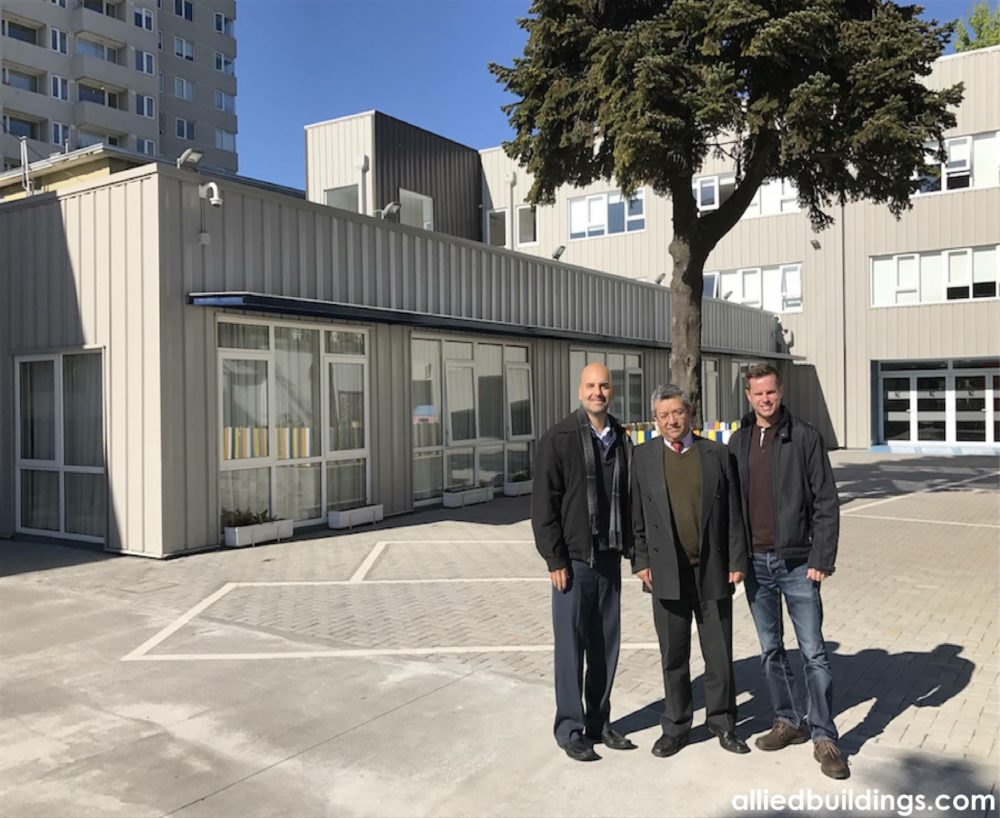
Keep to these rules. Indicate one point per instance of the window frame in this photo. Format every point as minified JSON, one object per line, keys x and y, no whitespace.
{"x":188,"y":126}
{"x":182,"y":82}
{"x":225,"y":64}
{"x":64,"y":131}
{"x":145,"y":62}
{"x":58,"y":464}
{"x":58,"y":87}
{"x":139,"y":140}
{"x":145,"y":106}
{"x":144,"y":18}
{"x":517,"y":213}
{"x":58,"y":40}
{"x":222,"y":136}
{"x":184,"y":9}
{"x":185,"y":51}
{"x":502,"y":211}
{"x":601,"y":229}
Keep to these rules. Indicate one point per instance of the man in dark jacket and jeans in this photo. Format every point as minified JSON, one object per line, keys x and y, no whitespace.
{"x":792,"y":514}
{"x":580,"y":518}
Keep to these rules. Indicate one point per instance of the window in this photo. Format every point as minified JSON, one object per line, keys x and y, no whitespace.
{"x":776,"y":289}
{"x":99,"y":96}
{"x":606,"y":214}
{"x":105,"y":7}
{"x":940,"y":276}
{"x":955,"y":173}
{"x":629,"y":404}
{"x":58,"y":40}
{"x":789,"y":197}
{"x":144,"y":62}
{"x":183,"y":89}
{"x":144,"y":106}
{"x":224,"y":25}
{"x":416,"y":209}
{"x":18,"y":79}
{"x":61,"y":487}
{"x":59,"y":87}
{"x":343,"y":198}
{"x":225,"y":102}
{"x":183,"y":49}
{"x":18,"y":32}
{"x":482,"y":393}
{"x":16,"y":126}
{"x":60,"y":133}
{"x":294,"y":412}
{"x":185,"y":129}
{"x":60,"y":3}
{"x":90,"y":48}
{"x":144,"y":18}
{"x":710,"y":384}
{"x":711,"y":191}
{"x":145,"y":146}
{"x":227,"y":65}
{"x":527,"y":224}
{"x":184,"y":8}
{"x":496,"y":228}
{"x":225,"y":140}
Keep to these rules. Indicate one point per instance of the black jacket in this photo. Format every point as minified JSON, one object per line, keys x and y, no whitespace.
{"x":723,"y":542}
{"x":559,"y":515}
{"x":803,"y":492}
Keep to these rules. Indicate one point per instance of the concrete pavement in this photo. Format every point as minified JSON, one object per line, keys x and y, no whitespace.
{"x":405,"y":670}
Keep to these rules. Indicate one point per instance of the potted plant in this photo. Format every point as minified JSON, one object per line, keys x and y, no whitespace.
{"x":350,"y":517}
{"x":520,"y":483}
{"x":242,"y":527}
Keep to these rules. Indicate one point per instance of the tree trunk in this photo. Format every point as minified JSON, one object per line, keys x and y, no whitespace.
{"x":686,"y":290}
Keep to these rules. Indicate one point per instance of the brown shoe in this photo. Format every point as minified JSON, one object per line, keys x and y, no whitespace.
{"x":830,"y":762}
{"x":780,"y":736}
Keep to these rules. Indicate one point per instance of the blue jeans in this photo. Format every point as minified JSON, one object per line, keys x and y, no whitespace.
{"x":769,"y":579}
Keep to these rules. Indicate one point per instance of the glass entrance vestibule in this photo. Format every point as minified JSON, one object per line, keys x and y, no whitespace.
{"x":939,"y":402}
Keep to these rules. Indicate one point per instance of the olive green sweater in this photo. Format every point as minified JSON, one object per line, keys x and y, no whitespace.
{"x":683,"y":475}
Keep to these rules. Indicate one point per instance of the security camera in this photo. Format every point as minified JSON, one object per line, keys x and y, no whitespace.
{"x":211,"y":192}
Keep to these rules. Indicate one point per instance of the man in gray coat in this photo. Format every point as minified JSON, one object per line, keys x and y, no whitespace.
{"x":690,"y":549}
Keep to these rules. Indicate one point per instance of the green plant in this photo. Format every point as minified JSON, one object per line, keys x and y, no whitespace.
{"x":240,"y":517}
{"x":521,"y":476}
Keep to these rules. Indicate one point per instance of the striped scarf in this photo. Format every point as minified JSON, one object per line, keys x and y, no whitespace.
{"x":616,"y":539}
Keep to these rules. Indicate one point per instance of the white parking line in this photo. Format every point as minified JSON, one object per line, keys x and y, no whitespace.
{"x":927,"y":490}
{"x":929,"y":522}
{"x":369,"y":561}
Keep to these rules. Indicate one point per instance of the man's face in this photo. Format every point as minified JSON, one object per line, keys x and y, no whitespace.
{"x":765,"y":396}
{"x":672,"y":419}
{"x":596,"y":390}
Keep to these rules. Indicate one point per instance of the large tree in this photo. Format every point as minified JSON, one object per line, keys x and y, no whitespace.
{"x":826,"y":93}
{"x":981,"y":30}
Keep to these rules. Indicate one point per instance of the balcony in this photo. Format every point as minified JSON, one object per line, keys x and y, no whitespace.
{"x":93,"y":116}
{"x":35,"y":105}
{"x":18,"y":51}
{"x":102,"y":72}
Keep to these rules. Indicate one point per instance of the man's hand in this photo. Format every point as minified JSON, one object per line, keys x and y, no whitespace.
{"x":816,"y":575}
{"x":646,"y":575}
{"x":560,"y":579}
{"x":736,"y":577}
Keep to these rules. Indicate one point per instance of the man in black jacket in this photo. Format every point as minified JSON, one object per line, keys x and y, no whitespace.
{"x":690,"y":550}
{"x":792,"y":514}
{"x":580,"y":518}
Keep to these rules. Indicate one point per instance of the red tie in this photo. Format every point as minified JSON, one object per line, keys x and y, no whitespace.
{"x":678,"y":446}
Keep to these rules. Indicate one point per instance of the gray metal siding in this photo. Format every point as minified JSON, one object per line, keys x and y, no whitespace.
{"x":81,"y":270}
{"x":391,"y":440}
{"x":417,"y":160}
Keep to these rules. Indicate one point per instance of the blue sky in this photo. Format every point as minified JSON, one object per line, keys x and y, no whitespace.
{"x":423,"y":61}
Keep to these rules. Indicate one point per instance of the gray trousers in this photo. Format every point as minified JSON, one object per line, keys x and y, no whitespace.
{"x":586,"y":625}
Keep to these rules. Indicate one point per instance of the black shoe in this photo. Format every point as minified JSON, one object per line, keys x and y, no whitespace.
{"x":579,"y":750}
{"x":668,"y":745}
{"x":614,"y":740}
{"x":730,"y":741}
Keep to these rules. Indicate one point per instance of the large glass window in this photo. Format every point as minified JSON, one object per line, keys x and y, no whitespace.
{"x":294,"y":399}
{"x":606,"y":214}
{"x":61,"y":480}
{"x":940,"y":276}
{"x":485,"y":398}
{"x":776,"y":289}
{"x":627,"y":405}
{"x":496,"y":228}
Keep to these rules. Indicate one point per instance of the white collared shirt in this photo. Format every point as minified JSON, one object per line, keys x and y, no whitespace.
{"x":604,"y":437}
{"x":686,"y":442}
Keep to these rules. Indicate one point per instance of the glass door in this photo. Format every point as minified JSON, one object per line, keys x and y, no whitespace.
{"x":896,"y":414}
{"x":932,"y":407}
{"x":970,"y":408}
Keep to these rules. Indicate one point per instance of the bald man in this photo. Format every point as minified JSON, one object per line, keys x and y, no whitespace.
{"x":580,"y":518}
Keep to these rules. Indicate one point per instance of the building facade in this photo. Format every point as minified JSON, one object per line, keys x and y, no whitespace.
{"x":151,"y":76}
{"x":893,"y":324}
{"x":271,"y":353}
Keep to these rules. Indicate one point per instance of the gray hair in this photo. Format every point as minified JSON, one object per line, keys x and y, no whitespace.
{"x":669,"y":390}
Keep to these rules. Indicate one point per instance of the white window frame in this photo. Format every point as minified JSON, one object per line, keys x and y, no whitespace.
{"x":271,"y":461}
{"x":489,"y":226}
{"x":715,"y":276}
{"x":58,"y":40}
{"x":224,"y":64}
{"x":188,"y":126}
{"x":517,"y":214}
{"x":184,"y":9}
{"x":508,"y":420}
{"x":221,"y":98}
{"x":748,"y":273}
{"x":790,"y":302}
{"x":593,"y":225}
{"x":224,"y":25}
{"x":146,"y":20}
{"x":788,"y":196}
{"x":946,"y":257}
{"x":141,"y":143}
{"x":145,"y":106}
{"x":711,"y":182}
{"x":63,"y":130}
{"x":185,"y":85}
{"x":899,"y":288}
{"x":57,"y":464}
{"x":183,"y":49}
{"x":145,"y":62}
{"x":58,"y":87}
{"x":225,"y":140}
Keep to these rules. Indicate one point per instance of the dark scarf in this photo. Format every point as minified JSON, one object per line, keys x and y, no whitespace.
{"x":616,"y":541}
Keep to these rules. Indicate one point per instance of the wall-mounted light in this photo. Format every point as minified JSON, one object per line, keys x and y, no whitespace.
{"x":659,"y":278}
{"x":557,"y":253}
{"x":190,"y":158}
{"x":391,"y":210}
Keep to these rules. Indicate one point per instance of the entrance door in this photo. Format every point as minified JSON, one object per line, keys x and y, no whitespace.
{"x":970,"y":407}
{"x":932,"y":410}
{"x":896,"y":412}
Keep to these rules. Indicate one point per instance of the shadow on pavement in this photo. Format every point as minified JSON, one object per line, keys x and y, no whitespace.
{"x":25,"y":556}
{"x":878,"y":479}
{"x":892,"y":682}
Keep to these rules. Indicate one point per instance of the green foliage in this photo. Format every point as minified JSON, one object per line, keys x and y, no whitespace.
{"x":239,"y":517}
{"x":824,"y":92}
{"x":982,"y":29}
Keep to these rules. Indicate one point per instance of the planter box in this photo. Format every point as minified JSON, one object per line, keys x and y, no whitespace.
{"x":355,"y":516}
{"x":469,"y":497}
{"x":245,"y":535}
{"x":517,"y":489}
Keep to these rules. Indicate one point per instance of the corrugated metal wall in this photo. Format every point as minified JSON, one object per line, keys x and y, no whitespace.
{"x":333,"y":152}
{"x":423,"y":162}
{"x":80,"y":270}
